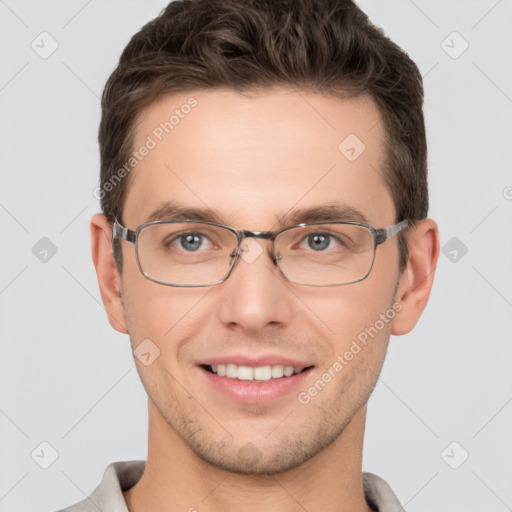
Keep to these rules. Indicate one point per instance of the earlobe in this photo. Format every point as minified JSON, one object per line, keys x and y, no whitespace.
{"x":417,"y":279}
{"x":109,"y":280}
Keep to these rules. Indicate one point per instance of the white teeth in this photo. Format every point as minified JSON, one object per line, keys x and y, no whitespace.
{"x":245,"y":373}
{"x":288,"y":371}
{"x":263,"y":373}
{"x":277,"y":371}
{"x":259,"y":373}
{"x":232,"y":371}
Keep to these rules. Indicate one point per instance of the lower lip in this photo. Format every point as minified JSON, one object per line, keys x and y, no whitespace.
{"x":255,"y":392}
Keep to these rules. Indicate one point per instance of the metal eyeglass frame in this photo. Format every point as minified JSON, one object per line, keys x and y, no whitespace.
{"x":380,"y":235}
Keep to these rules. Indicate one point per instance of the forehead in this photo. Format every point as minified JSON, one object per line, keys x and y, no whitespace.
{"x":253,"y":157}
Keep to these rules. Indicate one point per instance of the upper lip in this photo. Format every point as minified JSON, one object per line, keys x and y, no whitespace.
{"x":263,"y":360}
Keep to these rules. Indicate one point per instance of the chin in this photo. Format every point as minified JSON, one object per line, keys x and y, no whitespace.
{"x":262,"y":459}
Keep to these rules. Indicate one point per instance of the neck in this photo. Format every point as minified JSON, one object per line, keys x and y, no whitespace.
{"x":176,"y":479}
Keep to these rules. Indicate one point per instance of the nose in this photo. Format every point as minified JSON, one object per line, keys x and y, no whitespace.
{"x":255,"y":297}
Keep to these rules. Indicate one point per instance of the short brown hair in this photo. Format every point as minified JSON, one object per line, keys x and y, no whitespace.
{"x":324,"y":46}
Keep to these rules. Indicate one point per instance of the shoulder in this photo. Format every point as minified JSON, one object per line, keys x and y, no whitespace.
{"x":118,"y":477}
{"x":379,"y":494}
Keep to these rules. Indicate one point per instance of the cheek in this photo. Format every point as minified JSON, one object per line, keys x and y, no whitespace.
{"x":361,"y":341}
{"x":342,"y":313}
{"x":161,"y":314}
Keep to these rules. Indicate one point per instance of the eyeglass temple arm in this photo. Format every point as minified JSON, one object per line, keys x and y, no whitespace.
{"x":386,"y":233}
{"x":126,"y":234}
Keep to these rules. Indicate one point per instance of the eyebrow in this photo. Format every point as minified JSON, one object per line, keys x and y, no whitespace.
{"x":172,"y":211}
{"x":325,"y":213}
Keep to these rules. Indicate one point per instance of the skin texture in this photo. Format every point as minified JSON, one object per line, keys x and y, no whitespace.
{"x":252,"y":159}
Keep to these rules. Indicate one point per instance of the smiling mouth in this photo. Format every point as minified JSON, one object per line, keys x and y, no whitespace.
{"x":254,"y":374}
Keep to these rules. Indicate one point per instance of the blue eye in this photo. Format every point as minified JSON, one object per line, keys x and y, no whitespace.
{"x":191,"y":241}
{"x":318,"y":241}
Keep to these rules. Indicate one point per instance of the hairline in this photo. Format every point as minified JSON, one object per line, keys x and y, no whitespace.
{"x":129,"y":142}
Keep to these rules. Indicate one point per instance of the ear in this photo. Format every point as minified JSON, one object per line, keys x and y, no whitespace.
{"x":417,"y":279}
{"x":108,"y":277}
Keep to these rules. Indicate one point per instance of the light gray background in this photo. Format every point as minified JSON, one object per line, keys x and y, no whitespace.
{"x":68,"y":379}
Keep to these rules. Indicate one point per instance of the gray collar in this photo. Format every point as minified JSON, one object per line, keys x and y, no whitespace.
{"x":120,"y":476}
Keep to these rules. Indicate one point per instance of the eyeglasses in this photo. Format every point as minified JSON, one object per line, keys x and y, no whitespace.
{"x":195,"y":253}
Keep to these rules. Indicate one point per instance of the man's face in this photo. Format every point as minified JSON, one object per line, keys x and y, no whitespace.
{"x":254,"y":160}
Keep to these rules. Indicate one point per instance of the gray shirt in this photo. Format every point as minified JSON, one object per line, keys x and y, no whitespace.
{"x":120,"y":476}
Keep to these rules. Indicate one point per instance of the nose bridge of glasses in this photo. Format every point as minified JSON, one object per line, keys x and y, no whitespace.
{"x":264,"y":235}
{"x":255,"y":248}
